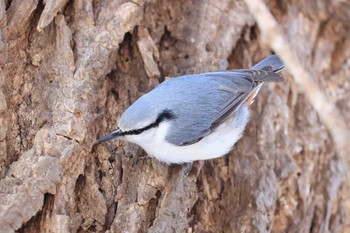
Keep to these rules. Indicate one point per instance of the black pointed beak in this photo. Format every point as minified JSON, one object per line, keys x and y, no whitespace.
{"x":115,"y":134}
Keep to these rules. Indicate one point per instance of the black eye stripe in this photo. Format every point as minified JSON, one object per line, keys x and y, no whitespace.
{"x":165,"y":115}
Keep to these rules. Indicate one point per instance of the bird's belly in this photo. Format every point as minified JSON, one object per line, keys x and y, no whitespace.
{"x":198,"y":151}
{"x":215,"y":145}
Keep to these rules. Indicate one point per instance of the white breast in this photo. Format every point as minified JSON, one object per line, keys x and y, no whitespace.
{"x":216,"y":144}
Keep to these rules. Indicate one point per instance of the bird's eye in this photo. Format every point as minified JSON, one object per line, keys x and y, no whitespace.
{"x":138,"y":131}
{"x":121,"y":132}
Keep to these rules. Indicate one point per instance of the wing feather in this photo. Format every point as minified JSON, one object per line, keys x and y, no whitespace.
{"x":234,"y":87}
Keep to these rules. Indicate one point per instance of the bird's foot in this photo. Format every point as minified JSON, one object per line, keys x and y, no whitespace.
{"x":188,"y":168}
{"x":114,"y":150}
{"x":143,"y":158}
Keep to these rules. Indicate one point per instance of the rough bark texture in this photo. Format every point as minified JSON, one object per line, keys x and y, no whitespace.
{"x":68,"y":69}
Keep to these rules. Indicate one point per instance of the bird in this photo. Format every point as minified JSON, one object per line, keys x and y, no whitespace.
{"x":196,"y":116}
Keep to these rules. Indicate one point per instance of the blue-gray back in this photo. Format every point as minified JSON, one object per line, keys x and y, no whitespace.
{"x":200,"y":102}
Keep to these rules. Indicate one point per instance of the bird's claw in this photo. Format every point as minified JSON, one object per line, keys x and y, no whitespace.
{"x":114,"y":150}
{"x":188,"y":168}
{"x":143,"y":158}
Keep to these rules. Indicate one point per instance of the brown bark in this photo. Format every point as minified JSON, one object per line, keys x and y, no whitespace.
{"x":68,"y":69}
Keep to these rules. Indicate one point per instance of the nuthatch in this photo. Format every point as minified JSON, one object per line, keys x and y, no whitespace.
{"x":195,"y":117}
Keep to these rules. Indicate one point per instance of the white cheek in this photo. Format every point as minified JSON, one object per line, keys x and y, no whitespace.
{"x":143,"y":138}
{"x":152,"y":140}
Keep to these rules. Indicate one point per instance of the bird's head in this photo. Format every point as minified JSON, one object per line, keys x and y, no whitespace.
{"x":139,"y":120}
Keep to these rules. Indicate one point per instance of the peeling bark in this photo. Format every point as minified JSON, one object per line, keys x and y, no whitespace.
{"x":68,"y":69}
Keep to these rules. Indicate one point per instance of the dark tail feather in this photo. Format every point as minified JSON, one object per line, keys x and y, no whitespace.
{"x":270,"y":77}
{"x":269,"y":63}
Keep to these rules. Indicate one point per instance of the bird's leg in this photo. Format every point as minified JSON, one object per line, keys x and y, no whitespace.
{"x":188,"y":168}
{"x":143,"y":158}
{"x":114,"y":150}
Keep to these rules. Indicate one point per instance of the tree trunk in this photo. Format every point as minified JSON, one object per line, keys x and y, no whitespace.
{"x":68,"y":69}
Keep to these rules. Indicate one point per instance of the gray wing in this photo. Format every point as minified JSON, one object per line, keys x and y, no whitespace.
{"x":247,"y":81}
{"x":233,"y":86}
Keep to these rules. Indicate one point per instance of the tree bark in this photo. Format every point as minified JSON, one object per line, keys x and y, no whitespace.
{"x":68,"y":69}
